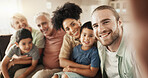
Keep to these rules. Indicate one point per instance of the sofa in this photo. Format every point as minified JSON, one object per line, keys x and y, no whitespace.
{"x":4,"y":41}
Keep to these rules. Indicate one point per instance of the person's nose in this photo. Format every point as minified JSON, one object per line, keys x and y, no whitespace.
{"x":101,"y":29}
{"x":27,"y":46}
{"x":72,"y":30}
{"x":21,"y":25}
{"x":42,"y":27}
{"x":87,"y":38}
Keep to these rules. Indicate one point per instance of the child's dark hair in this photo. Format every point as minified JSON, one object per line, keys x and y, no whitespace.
{"x":69,"y":10}
{"x":22,"y":34}
{"x":86,"y":25}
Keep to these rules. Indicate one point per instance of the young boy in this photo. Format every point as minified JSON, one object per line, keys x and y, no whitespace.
{"x":85,"y":53}
{"x":22,"y":47}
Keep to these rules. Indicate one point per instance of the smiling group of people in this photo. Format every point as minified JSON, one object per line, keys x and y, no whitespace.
{"x":68,"y":49}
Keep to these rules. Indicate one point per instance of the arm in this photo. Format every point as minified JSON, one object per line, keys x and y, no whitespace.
{"x":19,"y":61}
{"x":24,"y":59}
{"x":89,"y":72}
{"x":64,"y":55}
{"x":39,"y":40}
{"x":40,"y":51}
{"x":8,"y":47}
{"x":65,"y":62}
{"x":12,"y":42}
{"x":29,"y":70}
{"x":4,"y":67}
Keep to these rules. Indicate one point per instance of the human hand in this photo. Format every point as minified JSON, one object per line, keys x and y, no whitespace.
{"x":67,"y":69}
{"x":11,"y":63}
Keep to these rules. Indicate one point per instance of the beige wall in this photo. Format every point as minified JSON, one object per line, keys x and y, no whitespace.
{"x":31,"y":7}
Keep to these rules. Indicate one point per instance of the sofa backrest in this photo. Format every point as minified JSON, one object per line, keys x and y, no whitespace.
{"x":4,"y":41}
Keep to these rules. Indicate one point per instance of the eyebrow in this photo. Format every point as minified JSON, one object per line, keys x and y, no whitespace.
{"x":94,"y":24}
{"x":105,"y":19}
{"x":102,"y":21}
{"x":71,"y":23}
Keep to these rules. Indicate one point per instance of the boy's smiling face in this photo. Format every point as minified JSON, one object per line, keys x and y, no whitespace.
{"x":25,"y":45}
{"x":87,"y":38}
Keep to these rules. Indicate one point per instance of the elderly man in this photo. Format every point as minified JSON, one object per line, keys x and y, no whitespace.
{"x":53,"y":43}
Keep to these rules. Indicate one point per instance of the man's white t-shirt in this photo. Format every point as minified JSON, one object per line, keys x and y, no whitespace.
{"x":111,"y":65}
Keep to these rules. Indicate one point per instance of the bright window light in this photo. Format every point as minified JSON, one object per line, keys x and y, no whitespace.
{"x":7,"y":9}
{"x":118,"y":10}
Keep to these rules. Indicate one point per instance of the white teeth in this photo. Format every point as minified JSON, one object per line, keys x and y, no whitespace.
{"x":86,"y":42}
{"x":104,"y":35}
{"x":75,"y":33}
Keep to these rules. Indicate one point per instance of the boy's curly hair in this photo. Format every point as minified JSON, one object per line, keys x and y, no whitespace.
{"x":69,"y":10}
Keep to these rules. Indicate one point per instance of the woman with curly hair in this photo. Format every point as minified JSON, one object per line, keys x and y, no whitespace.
{"x":68,"y":18}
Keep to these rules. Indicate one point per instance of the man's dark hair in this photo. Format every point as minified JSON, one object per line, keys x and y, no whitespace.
{"x":109,"y":8}
{"x":86,"y":25}
{"x":69,"y":10}
{"x":22,"y":34}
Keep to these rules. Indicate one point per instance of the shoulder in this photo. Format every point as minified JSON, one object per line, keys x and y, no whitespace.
{"x":94,"y":50}
{"x":13,"y":50}
{"x":36,"y":32}
{"x":67,"y":38}
{"x":61,"y":32}
{"x":34,"y":47}
{"x":77,"y":47}
{"x":13,"y":47}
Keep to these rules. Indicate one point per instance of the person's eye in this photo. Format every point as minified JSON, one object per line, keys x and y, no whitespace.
{"x":91,"y":35}
{"x":84,"y":35}
{"x":44,"y":23}
{"x":39,"y":25}
{"x":16,"y":22}
{"x":23,"y":43}
{"x":73,"y":24}
{"x":22,"y":20}
{"x":106,"y":22}
{"x":95,"y":26}
{"x":67,"y":29}
{"x":30,"y":42}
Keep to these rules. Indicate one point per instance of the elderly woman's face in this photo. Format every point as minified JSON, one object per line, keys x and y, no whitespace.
{"x":18,"y":23}
{"x":72,"y":27}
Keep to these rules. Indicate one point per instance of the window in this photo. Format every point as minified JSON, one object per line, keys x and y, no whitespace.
{"x":8,"y":7}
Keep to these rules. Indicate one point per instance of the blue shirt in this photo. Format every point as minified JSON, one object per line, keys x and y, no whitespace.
{"x":86,"y":57}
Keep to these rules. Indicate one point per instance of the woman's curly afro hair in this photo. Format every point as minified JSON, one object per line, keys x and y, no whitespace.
{"x":69,"y":10}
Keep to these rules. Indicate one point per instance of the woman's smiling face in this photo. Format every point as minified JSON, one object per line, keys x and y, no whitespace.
{"x":72,"y":27}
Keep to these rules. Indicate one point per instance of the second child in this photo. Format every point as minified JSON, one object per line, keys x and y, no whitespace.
{"x":85,"y":53}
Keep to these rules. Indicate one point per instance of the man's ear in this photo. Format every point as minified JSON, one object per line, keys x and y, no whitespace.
{"x":17,"y":44}
{"x":120,"y":22}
